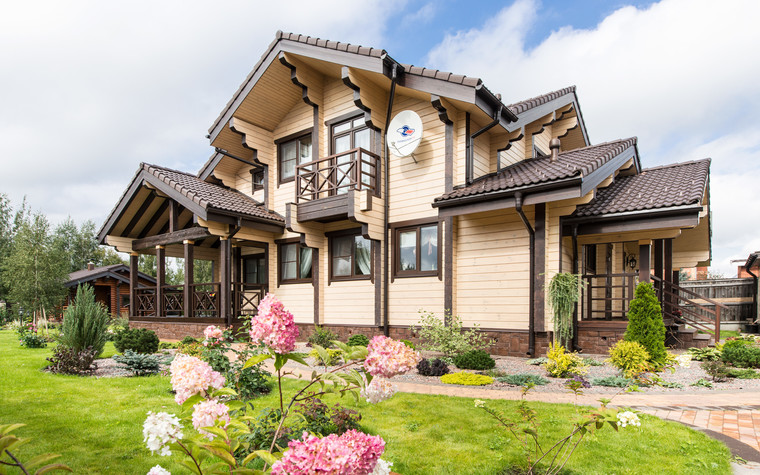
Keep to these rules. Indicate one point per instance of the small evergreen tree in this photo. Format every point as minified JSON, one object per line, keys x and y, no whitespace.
{"x":85,"y":322}
{"x":645,"y":324}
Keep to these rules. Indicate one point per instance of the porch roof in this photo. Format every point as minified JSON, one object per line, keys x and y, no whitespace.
{"x":118,"y":272}
{"x":578,"y":164}
{"x":657,"y":188}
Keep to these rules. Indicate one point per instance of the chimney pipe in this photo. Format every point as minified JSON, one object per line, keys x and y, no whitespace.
{"x":90,"y":266}
{"x":554,"y":147}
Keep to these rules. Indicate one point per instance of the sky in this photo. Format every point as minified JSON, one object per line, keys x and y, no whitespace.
{"x":90,"y":89}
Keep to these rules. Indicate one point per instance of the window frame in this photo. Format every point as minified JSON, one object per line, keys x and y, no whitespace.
{"x":245,"y":259}
{"x":285,"y":140}
{"x":415,"y":225}
{"x":331,"y":252}
{"x":281,"y":253}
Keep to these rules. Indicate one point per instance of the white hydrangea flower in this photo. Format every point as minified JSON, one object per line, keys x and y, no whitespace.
{"x":627,"y":418}
{"x":382,"y":468}
{"x":479,"y":403}
{"x":378,"y":390}
{"x":159,"y":470}
{"x":159,"y":430}
{"x":684,"y":360}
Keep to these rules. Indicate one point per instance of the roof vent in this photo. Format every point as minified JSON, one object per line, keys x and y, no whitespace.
{"x":554,"y":146}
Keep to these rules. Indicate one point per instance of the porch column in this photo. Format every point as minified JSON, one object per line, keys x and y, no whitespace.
{"x":237,"y":278}
{"x":133,"y":256}
{"x":188,"y":291}
{"x":658,"y":258}
{"x":224,"y":279}
{"x":668,"y":300}
{"x":116,"y":310}
{"x":160,"y":280}
{"x":645,"y":248}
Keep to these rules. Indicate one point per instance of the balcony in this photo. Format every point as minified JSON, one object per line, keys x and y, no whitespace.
{"x":325,"y":188}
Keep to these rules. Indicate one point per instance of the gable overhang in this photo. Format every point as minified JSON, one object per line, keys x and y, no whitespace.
{"x":107,"y":274}
{"x":540,"y":111}
{"x":687,"y":216}
{"x":203,"y":211}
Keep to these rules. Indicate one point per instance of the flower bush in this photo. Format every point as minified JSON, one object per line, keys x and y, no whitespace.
{"x":387,"y":357}
{"x":213,"y":336}
{"x":207,"y":413}
{"x":159,"y":430}
{"x":192,"y":376}
{"x":348,"y":454}
{"x":274,"y":326}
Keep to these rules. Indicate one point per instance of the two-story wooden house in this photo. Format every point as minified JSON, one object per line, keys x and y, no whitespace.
{"x":302,"y":198}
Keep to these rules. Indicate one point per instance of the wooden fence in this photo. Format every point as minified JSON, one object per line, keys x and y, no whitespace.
{"x":736,"y":294}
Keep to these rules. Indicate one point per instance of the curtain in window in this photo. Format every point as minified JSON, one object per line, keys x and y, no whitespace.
{"x":363,"y":256}
{"x":407,"y":247}
{"x":289,"y":262}
{"x":429,"y":248}
{"x":305,"y":262}
{"x":341,"y":260}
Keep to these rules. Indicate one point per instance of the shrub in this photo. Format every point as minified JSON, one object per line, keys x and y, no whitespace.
{"x":139,"y":340}
{"x":474,"y":359}
{"x":705,"y":354}
{"x":85,"y":322}
{"x":33,"y":340}
{"x":717,"y":370}
{"x":436,"y":367}
{"x":139,"y":364}
{"x":612,"y":381}
{"x":629,"y":357}
{"x":561,"y":364}
{"x":537,"y":361}
{"x":188,"y":340}
{"x":409,"y":344}
{"x":322,"y":337}
{"x":321,"y":419}
{"x":168,"y":345}
{"x":524,"y":379}
{"x":358,"y":340}
{"x":745,"y":373}
{"x":335,"y":356}
{"x":563,"y":292}
{"x":191,"y":349}
{"x":218,"y":360}
{"x":645,"y":324}
{"x":249,"y":382}
{"x":116,"y":326}
{"x":452,"y":339}
{"x":741,"y":353}
{"x":66,"y":360}
{"x":6,"y":316}
{"x":588,"y":361}
{"x":466,"y":379}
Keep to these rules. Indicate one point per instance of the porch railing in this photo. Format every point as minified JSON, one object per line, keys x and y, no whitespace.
{"x":145,"y":302}
{"x":246,"y":298}
{"x":608,"y":296}
{"x":688,"y":307}
{"x":206,"y":300}
{"x":355,"y":169}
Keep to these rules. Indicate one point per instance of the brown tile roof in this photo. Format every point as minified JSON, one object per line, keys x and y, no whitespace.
{"x":528,"y":104}
{"x":579,"y":163}
{"x":83,"y":273}
{"x":209,"y":195}
{"x":666,"y":186}
{"x":115,"y":271}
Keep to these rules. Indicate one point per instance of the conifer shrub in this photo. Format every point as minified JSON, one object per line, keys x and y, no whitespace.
{"x":474,"y":359}
{"x":138,"y":363}
{"x":645,"y":324}
{"x":466,"y":379}
{"x":629,"y":357}
{"x":139,"y":340}
{"x":612,"y":381}
{"x":523,"y":379}
{"x":435,"y":367}
{"x":358,"y":340}
{"x":85,"y":322}
{"x":741,"y":353}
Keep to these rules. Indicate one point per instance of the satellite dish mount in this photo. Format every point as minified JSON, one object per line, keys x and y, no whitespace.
{"x":404,"y":134}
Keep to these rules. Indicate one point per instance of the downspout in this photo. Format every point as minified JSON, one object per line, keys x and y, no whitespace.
{"x":747,"y":266}
{"x":386,"y":202}
{"x":532,"y":273}
{"x":470,"y":159}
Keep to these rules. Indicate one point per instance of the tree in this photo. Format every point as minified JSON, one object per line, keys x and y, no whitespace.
{"x":79,"y":245}
{"x":146,"y":263}
{"x":108,"y":257}
{"x":6,"y":238}
{"x":645,"y":324}
{"x":34,"y":271}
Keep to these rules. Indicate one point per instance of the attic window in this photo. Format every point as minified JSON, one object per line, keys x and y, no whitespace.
{"x":257,"y":179}
{"x":537,"y":152}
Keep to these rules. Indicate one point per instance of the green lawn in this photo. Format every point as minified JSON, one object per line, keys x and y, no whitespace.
{"x":96,"y":424}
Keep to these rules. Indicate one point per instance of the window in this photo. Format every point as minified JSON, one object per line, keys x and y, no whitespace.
{"x":295,"y":263}
{"x":254,"y":269}
{"x":417,"y":252}
{"x":348,"y":135}
{"x":537,"y":152}
{"x":257,"y":179}
{"x":124,"y":301}
{"x":292,"y":152}
{"x":350,"y":257}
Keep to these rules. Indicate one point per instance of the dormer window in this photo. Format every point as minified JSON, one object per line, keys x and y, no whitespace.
{"x":291,"y":152}
{"x":257,"y":179}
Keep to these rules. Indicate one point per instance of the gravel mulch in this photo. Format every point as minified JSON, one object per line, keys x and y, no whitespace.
{"x":108,"y":368}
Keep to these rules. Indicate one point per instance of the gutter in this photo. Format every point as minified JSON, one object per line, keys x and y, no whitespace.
{"x":386,"y":201}
{"x":633,"y":214}
{"x":532,"y":273}
{"x":751,"y":260}
{"x":507,"y":193}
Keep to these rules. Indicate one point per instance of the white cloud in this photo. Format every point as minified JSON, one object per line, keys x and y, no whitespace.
{"x":89,"y":89}
{"x":679,"y":75}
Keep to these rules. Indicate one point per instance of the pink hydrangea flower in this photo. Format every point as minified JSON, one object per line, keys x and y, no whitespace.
{"x":378,"y":390}
{"x":206,"y":413}
{"x":214,"y":335}
{"x":353,"y":453}
{"x":191,"y":376}
{"x":387,"y":357}
{"x":274,"y":326}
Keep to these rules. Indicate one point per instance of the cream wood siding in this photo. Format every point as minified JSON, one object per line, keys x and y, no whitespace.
{"x":413,"y":186}
{"x":460,"y":147}
{"x":350,"y":302}
{"x":515,"y":153}
{"x":492,"y":266}
{"x":298,"y":300}
{"x":409,"y":295}
{"x":482,"y":153}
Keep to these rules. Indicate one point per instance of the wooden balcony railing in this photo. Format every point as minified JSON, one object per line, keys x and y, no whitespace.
{"x":355,"y":169}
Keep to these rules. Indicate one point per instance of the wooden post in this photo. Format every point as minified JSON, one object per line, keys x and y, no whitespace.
{"x":224,"y":279}
{"x":160,"y":280}
{"x":188,"y":291}
{"x":645,"y":248}
{"x":667,"y":287}
{"x":116,"y":310}
{"x":658,"y":259}
{"x":133,"y":257}
{"x":173,"y":216}
{"x":237,"y":280}
{"x":717,"y":324}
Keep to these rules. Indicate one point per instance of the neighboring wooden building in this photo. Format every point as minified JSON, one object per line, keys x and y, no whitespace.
{"x":111,"y":286}
{"x":302,"y":198}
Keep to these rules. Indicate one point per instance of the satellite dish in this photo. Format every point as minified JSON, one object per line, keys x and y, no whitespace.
{"x":404,"y":133}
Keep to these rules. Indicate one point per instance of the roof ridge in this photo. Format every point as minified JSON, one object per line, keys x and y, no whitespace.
{"x":633,"y":139}
{"x":677,"y":164}
{"x":526,"y":104}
